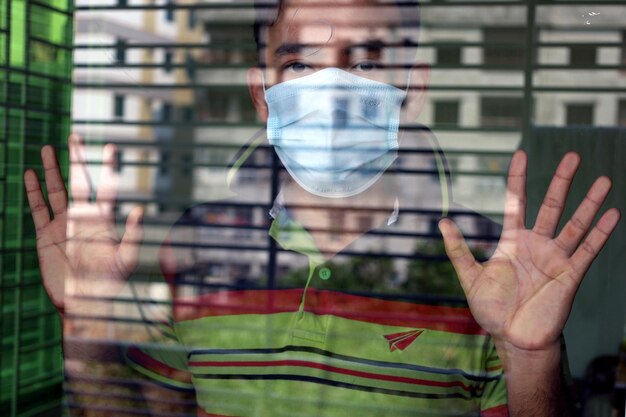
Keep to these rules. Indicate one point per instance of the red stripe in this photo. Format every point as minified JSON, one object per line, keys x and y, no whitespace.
{"x":321,"y":302}
{"x":499,"y":411}
{"x":323,"y":367}
{"x":148,"y":362}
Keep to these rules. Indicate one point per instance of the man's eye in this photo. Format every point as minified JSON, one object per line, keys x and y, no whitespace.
{"x":296,"y":67}
{"x":366,"y":66}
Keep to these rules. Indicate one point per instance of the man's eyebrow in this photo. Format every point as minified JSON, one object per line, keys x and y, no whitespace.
{"x":372,"y":45}
{"x":288,"y":49}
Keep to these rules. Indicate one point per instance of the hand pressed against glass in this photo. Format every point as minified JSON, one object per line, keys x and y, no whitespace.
{"x":523,"y":295}
{"x":80,"y":252}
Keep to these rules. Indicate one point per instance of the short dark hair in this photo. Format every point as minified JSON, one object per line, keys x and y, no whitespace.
{"x":268,"y":11}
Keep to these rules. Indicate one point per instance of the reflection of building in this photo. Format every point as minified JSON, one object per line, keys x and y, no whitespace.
{"x":477,"y":95}
{"x":121,"y":58}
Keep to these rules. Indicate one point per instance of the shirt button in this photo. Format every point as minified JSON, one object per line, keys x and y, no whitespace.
{"x":324,"y":273}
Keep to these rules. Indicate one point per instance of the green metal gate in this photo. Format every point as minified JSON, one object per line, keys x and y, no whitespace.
{"x":35,"y":92}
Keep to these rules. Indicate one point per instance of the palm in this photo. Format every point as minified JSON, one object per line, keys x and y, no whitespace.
{"x":524,"y":293}
{"x":79,"y":249}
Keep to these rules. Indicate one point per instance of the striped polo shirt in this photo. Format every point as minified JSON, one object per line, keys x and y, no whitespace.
{"x":312,"y":352}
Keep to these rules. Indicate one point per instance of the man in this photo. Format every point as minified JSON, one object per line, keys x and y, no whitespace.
{"x":307,"y":351}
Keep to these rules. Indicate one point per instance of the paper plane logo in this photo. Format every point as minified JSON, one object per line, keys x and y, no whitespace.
{"x":400,"y":341}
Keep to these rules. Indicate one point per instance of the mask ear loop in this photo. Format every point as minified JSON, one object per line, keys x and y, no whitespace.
{"x":444,"y":178}
{"x":408,"y":83}
{"x":263,"y":81}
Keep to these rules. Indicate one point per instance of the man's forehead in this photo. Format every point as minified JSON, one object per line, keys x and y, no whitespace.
{"x":339,"y":13}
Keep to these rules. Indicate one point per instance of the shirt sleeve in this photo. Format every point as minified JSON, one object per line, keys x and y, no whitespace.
{"x":160,"y":356}
{"x":163,"y":361}
{"x":163,"y":357}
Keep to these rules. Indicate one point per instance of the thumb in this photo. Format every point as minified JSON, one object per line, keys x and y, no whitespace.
{"x":465,"y":265}
{"x":128,"y":251}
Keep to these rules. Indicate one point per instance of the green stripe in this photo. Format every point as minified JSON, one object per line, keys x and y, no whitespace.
{"x":294,"y":398}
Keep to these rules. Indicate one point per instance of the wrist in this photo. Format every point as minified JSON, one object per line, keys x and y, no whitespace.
{"x":515,"y":360}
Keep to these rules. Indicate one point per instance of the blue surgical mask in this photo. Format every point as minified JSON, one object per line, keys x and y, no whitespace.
{"x":335,"y":132}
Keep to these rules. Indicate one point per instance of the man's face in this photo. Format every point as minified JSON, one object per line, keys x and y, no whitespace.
{"x":353,"y":35}
{"x":358,"y":36}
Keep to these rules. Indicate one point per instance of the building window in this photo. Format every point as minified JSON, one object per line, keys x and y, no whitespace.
{"x":433,"y":226}
{"x":118,"y":106}
{"x":449,"y":55}
{"x":119,"y":157}
{"x":164,"y":163}
{"x":582,"y":56}
{"x":167,"y":61}
{"x":187,"y":164}
{"x":579,"y":115}
{"x":504,"y":46}
{"x":166,"y":112}
{"x":191,"y":19}
{"x":621,"y":113}
{"x":120,"y":51}
{"x":169,"y":11}
{"x":190,"y":66}
{"x":188,"y":114}
{"x":624,"y":47}
{"x":446,"y":112}
{"x":501,"y":111}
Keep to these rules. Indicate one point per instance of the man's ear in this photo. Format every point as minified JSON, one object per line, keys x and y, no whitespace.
{"x":257,"y":92}
{"x":416,"y":96}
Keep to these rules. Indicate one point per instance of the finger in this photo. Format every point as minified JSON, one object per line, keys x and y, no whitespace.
{"x":36,"y":202}
{"x":80,"y":184}
{"x":554,"y":201}
{"x":578,"y":226}
{"x":515,"y":201}
{"x":109,"y":178}
{"x":461,"y":257}
{"x":593,"y":244}
{"x":57,"y":193}
{"x":128,"y":252}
